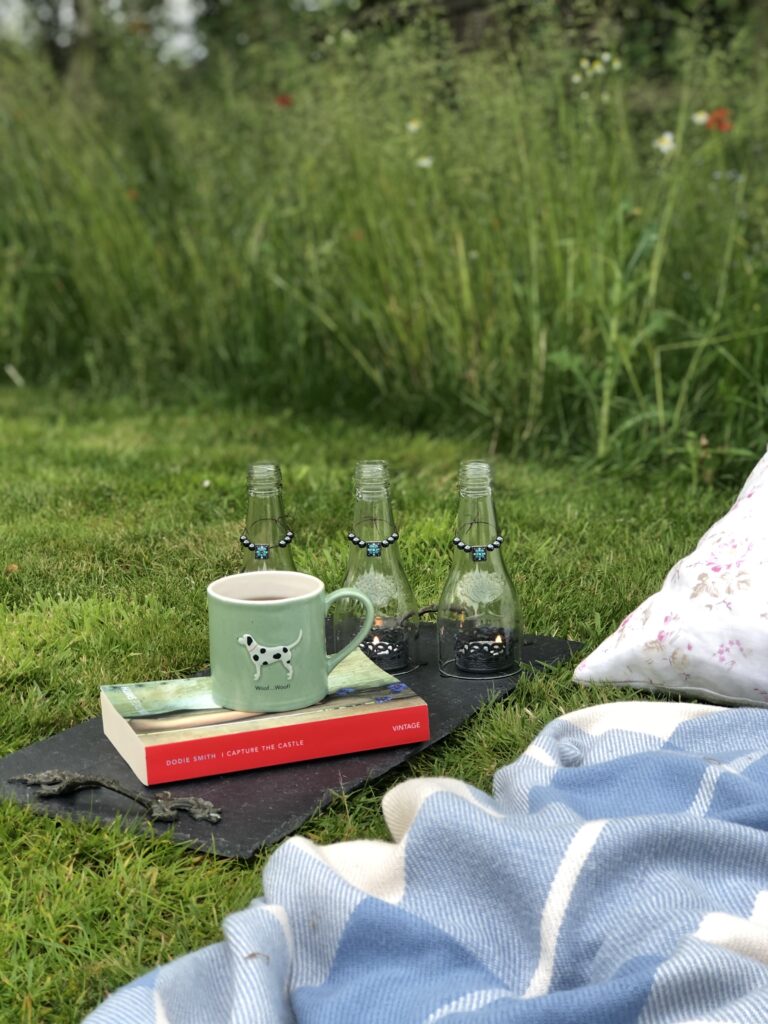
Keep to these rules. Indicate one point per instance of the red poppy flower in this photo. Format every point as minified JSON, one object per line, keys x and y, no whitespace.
{"x":284,"y":99}
{"x":719,"y":120}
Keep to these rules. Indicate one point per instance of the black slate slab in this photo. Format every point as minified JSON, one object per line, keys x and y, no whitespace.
{"x":262,"y":806}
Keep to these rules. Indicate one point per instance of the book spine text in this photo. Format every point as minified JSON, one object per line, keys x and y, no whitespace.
{"x":188,"y":759}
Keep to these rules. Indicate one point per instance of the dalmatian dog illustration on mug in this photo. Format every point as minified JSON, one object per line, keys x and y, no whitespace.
{"x":261,"y":655}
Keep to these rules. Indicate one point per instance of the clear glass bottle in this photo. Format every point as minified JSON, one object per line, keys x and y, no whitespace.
{"x":266,"y":540}
{"x":374,"y":567}
{"x":479,"y":625}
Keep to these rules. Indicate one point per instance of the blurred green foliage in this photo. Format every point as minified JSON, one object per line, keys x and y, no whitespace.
{"x":378,"y":220}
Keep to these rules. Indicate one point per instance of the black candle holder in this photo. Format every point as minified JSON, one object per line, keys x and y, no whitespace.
{"x":388,"y":647}
{"x":486,"y":650}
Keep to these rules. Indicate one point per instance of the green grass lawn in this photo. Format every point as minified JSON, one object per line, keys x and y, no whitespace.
{"x":112,"y":522}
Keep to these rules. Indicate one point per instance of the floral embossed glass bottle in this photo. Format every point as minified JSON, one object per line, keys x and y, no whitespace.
{"x":266,"y":540}
{"x":479,"y":625}
{"x":374,"y":567}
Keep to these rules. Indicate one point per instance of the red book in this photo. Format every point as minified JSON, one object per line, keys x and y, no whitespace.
{"x":171,"y":730}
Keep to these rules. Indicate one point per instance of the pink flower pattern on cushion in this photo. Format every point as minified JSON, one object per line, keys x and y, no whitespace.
{"x":705,"y":633}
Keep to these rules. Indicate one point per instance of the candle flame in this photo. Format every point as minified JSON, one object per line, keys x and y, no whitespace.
{"x":498,"y":639}
{"x":375,"y":641}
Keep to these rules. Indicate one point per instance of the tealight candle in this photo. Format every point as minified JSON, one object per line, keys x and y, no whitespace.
{"x":388,"y":647}
{"x":487,"y":650}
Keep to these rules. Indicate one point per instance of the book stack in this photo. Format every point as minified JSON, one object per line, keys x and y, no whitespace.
{"x":172,"y":730}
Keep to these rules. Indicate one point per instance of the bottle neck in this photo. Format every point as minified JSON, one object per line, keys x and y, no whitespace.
{"x":265,"y":521}
{"x":373,"y":521}
{"x":476,"y":524}
{"x":264,"y":479}
{"x":476,"y":518}
{"x":372,"y":481}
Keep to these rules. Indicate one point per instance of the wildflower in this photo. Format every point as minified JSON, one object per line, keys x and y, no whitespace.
{"x":700,"y":117}
{"x":719,"y":120}
{"x":584,"y":64}
{"x":330,"y":39}
{"x":206,"y":484}
{"x":347,"y":37}
{"x":13,"y":373}
{"x":284,"y":99}
{"x":425,"y":162}
{"x":616,"y":64}
{"x":597,"y":67}
{"x":413,"y":126}
{"x":665,"y":143}
{"x":576,"y":78}
{"x":605,"y":57}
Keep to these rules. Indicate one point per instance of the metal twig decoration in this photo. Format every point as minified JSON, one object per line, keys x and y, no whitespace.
{"x":162,"y":807}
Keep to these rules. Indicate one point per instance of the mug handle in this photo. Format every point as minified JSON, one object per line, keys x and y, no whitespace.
{"x":332,"y":660}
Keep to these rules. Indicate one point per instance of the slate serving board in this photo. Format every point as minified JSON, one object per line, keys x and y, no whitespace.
{"x":262,"y":806}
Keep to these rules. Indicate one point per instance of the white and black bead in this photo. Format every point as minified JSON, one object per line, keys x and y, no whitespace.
{"x":373,"y":547}
{"x":261,"y":551}
{"x":493,"y":545}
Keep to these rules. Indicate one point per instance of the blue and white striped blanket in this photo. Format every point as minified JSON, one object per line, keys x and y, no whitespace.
{"x":618,"y":874}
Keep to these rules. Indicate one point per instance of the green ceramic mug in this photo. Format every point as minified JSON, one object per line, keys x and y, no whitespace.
{"x":267,"y":639}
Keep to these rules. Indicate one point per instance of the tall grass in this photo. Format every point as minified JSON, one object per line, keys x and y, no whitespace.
{"x":551,"y":281}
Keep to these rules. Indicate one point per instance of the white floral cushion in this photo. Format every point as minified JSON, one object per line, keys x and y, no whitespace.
{"x":705,"y":633}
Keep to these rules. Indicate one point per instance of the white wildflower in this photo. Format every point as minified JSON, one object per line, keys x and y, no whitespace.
{"x":576,"y":78}
{"x":665,"y":143}
{"x":15,"y":376}
{"x":597,"y":67}
{"x":206,"y":483}
{"x":605,"y":57}
{"x":616,"y":64}
{"x":347,"y":37}
{"x":413,"y":126}
{"x":700,"y":117}
{"x":425,"y":162}
{"x":584,"y":63}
